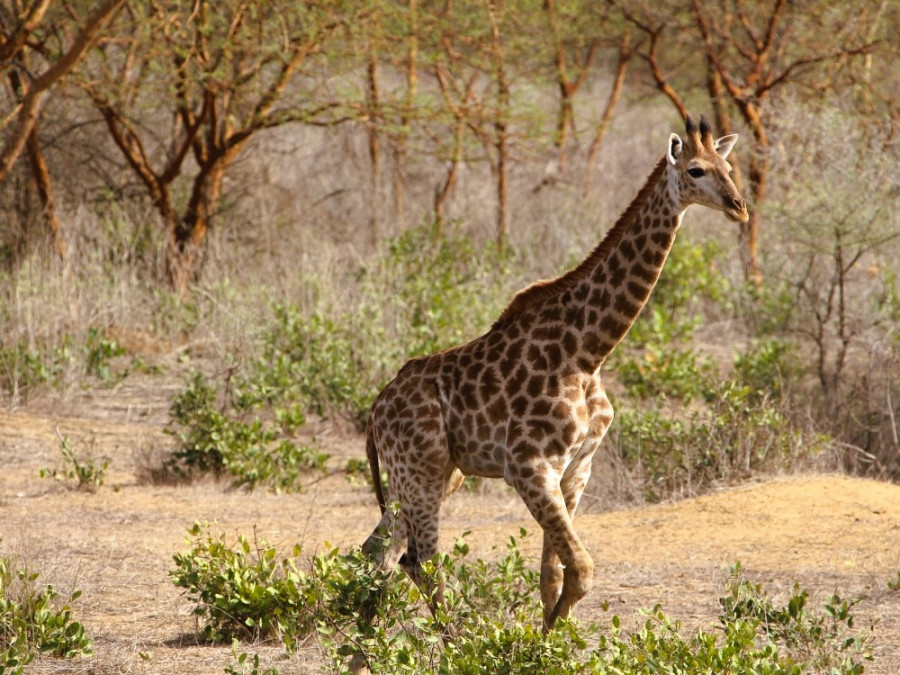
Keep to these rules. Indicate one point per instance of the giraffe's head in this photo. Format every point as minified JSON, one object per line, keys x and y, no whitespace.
{"x":698,"y":172}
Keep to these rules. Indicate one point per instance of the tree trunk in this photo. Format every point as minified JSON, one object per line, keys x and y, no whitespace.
{"x":441,"y":194}
{"x":187,"y":234}
{"x":759,"y":169}
{"x":40,"y":172}
{"x":747,"y":232}
{"x":45,"y":191}
{"x":757,"y":176}
{"x":501,"y":132}
{"x":412,"y":87}
{"x":372,"y":94}
{"x":609,"y":110}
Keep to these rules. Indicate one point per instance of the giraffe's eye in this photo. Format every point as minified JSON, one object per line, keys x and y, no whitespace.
{"x":696,"y":172}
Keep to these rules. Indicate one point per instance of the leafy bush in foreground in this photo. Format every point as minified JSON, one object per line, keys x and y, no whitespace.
{"x":244,"y":591}
{"x":491,"y":621}
{"x":32,"y":623}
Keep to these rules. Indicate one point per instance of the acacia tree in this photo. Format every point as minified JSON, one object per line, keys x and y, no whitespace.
{"x":749,"y":52}
{"x":609,"y":110}
{"x":477,"y":55}
{"x":388,"y":40}
{"x":39,"y":45}
{"x":754,"y":54}
{"x":226,"y":70}
{"x":839,"y":236}
{"x":579,"y":33}
{"x":573,"y":56}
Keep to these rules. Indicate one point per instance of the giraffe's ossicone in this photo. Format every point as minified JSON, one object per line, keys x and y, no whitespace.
{"x":525,"y":402}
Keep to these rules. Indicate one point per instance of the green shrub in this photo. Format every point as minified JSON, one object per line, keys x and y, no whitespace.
{"x":364,"y":613}
{"x":657,"y":362}
{"x":255,"y":452}
{"x":688,"y":287}
{"x":755,"y":636}
{"x":244,"y":591}
{"x":32,"y":622}
{"x":659,"y":647}
{"x":735,"y":434}
{"x":358,"y":469}
{"x":203,"y":443}
{"x":821,"y":641}
{"x":666,"y":373}
{"x":98,"y":350}
{"x":313,"y":361}
{"x":25,"y":366}
{"x":244,"y":664}
{"x":765,"y":368}
{"x":894,"y":583}
{"x":432,"y":291}
{"x":492,"y":611}
{"x":78,"y":473}
{"x":491,"y":619}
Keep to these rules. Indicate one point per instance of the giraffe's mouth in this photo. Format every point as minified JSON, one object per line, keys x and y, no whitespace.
{"x":738,"y":215}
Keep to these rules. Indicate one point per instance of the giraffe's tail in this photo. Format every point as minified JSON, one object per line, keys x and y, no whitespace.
{"x":372,"y":454}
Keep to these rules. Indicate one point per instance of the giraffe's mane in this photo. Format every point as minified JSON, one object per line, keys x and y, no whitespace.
{"x":548,"y":288}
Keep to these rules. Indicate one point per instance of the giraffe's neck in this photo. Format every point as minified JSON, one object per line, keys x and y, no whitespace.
{"x":621,"y":272}
{"x":595,"y":303}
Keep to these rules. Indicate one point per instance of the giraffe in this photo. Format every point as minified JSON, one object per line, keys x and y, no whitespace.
{"x":525,"y":400}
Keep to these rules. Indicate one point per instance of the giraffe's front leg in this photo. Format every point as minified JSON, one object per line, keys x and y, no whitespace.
{"x":540,"y":489}
{"x":552,"y":570}
{"x":551,"y":578}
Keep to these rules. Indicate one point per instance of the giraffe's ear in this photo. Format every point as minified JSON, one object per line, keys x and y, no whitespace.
{"x":674,"y":151}
{"x":724,"y":145}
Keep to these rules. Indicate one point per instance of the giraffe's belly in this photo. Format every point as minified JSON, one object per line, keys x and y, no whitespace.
{"x":482,"y":453}
{"x":487,"y":449}
{"x":551,"y":421}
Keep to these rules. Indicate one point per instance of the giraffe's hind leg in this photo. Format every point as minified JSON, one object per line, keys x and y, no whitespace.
{"x":385,"y":545}
{"x":422,"y":513}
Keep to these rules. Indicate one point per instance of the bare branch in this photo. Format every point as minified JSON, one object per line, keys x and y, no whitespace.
{"x":652,"y":59}
{"x":611,"y":103}
{"x":37,"y":88}
{"x":785,"y":75}
{"x":11,"y":45}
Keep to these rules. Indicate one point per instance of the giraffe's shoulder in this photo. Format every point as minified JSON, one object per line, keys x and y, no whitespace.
{"x":528,"y":297}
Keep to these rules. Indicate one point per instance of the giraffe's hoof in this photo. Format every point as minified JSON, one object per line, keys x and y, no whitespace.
{"x":359,"y":666}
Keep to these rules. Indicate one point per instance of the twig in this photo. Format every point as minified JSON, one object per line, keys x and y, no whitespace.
{"x":866,"y":456}
{"x":890,"y":407}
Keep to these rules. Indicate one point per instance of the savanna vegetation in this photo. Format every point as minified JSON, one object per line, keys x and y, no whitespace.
{"x":298,"y":197}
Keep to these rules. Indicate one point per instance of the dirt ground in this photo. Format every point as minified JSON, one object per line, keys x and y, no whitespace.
{"x":827,"y":532}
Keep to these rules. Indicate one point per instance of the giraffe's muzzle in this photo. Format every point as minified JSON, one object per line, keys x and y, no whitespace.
{"x":736,"y":210}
